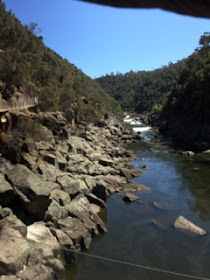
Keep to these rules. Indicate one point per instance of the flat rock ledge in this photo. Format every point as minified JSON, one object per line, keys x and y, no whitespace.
{"x":184,"y":225}
{"x":52,"y":192}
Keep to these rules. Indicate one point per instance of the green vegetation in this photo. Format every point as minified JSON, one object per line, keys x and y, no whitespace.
{"x":176,"y":96}
{"x":27,"y":65}
{"x":142,"y":91}
{"x":190,"y":98}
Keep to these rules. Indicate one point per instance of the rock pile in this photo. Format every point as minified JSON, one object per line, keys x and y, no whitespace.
{"x":50,"y":197}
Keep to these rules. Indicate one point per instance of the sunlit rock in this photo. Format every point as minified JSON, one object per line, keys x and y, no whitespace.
{"x":182,"y":224}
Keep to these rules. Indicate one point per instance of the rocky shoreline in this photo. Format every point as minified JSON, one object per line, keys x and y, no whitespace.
{"x":51,"y":194}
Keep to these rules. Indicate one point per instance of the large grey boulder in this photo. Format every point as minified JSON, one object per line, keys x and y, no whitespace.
{"x":14,"y":251}
{"x":70,"y":185}
{"x":30,"y":188}
{"x":182,"y":224}
{"x":40,"y":233}
{"x":81,"y":208}
{"x":76,"y":230}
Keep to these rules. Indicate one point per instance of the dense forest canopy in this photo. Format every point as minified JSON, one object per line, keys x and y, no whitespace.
{"x":154,"y":91}
{"x":26,"y":63}
{"x":142,"y":91}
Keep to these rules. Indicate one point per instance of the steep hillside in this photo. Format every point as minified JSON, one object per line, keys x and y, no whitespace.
{"x":186,"y":115}
{"x":27,"y":65}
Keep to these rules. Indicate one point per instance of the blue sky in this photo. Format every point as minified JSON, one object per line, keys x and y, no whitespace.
{"x":100,"y":40}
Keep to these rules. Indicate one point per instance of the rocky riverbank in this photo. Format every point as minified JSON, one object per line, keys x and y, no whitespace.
{"x":52,"y":190}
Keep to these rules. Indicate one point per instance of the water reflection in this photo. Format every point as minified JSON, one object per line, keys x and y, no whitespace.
{"x":180,"y":181}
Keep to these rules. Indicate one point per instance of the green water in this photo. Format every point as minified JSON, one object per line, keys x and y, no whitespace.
{"x":183,"y":183}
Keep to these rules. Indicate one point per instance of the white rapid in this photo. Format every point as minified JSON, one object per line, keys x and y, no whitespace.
{"x":139,"y":127}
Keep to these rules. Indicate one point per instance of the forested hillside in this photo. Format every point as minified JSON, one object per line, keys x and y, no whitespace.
{"x":26,"y":64}
{"x":187,"y":108}
{"x":177,"y":96}
{"x":142,"y":91}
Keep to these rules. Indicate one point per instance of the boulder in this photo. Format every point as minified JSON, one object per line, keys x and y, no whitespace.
{"x":30,"y":188}
{"x":39,"y":233}
{"x":69,"y":185}
{"x":144,"y":166}
{"x":61,"y":161}
{"x":105,"y":161}
{"x":129,"y":197}
{"x":182,"y":224}
{"x":161,"y":205}
{"x":11,"y":221}
{"x":78,"y":144}
{"x":60,"y":196}
{"x":7,"y":193}
{"x":47,"y":170}
{"x":76,"y":230}
{"x":62,"y":238}
{"x":80,"y":203}
{"x":37,"y":272}
{"x":5,"y":165}
{"x":55,"y":211}
{"x":62,"y":147}
{"x":43,"y":145}
{"x":29,"y":146}
{"x":126,"y":173}
{"x":51,"y":122}
{"x":95,"y":208}
{"x":96,"y":200}
{"x":28,"y":160}
{"x":134,"y":187}
{"x":85,"y":218}
{"x":49,"y":157}
{"x":44,"y":255}
{"x":14,"y":251}
{"x":95,"y":156}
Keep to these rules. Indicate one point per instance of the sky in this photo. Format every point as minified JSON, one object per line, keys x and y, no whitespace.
{"x":100,"y":40}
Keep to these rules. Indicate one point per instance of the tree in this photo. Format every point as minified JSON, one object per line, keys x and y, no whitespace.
{"x":2,"y":4}
{"x":33,"y":27}
{"x":205,"y":40}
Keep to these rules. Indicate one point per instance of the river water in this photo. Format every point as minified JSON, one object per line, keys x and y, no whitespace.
{"x":182,"y":183}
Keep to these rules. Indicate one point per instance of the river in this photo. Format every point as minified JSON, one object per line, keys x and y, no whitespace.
{"x":182,"y":183}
